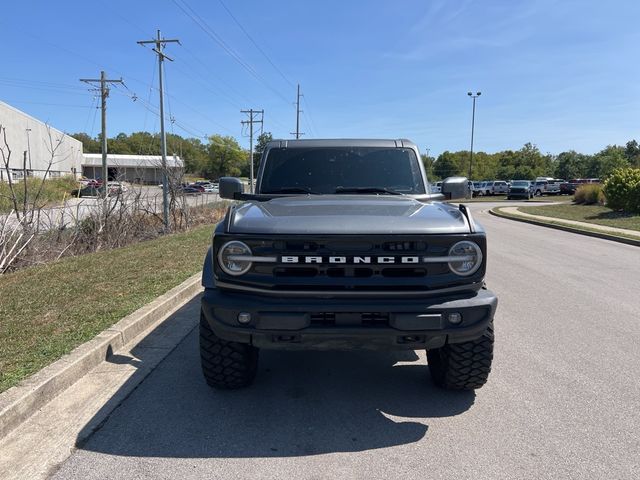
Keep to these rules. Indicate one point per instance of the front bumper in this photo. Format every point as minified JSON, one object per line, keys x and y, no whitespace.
{"x":519,"y":194}
{"x":330,"y":324}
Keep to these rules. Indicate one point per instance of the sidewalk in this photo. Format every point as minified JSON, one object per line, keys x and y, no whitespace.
{"x":591,"y":226}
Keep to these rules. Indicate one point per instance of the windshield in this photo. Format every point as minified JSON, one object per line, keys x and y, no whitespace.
{"x":520,"y":183}
{"x":328,"y":170}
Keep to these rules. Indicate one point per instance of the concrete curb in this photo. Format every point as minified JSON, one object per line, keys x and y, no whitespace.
{"x":18,"y":403}
{"x":566,"y":228}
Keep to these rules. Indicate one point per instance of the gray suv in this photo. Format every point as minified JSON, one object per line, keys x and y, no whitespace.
{"x":342,"y":246}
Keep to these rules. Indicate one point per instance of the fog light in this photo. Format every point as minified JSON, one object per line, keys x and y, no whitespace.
{"x":244,"y":318}
{"x":455,"y":318}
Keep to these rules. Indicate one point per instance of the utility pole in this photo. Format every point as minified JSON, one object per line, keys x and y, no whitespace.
{"x":159,"y":45}
{"x":298,"y":111}
{"x":253,"y":118}
{"x":104,"y":94}
{"x":473,"y":123}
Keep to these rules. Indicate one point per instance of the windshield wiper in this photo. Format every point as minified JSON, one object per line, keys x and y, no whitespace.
{"x":387,"y":191}
{"x":286,"y":190}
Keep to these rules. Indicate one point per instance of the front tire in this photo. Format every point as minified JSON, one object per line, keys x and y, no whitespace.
{"x":226,"y":365}
{"x":463,"y":366}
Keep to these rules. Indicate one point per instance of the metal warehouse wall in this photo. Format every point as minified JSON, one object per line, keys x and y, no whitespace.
{"x":41,"y":140}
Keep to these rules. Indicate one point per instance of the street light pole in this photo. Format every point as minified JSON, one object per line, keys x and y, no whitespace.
{"x":29,"y":147}
{"x":473,"y":122}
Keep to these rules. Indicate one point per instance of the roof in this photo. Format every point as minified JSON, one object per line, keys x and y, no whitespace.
{"x":35,"y":120}
{"x":132,"y":161}
{"x":342,"y":142}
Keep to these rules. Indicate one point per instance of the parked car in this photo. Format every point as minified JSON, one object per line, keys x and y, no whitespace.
{"x":436,"y":187}
{"x":188,"y":190}
{"x":520,"y":189}
{"x":117,"y":187}
{"x":497,"y":187}
{"x":546,"y":186}
{"x":91,"y":191}
{"x":210,"y":188}
{"x":477,"y":189}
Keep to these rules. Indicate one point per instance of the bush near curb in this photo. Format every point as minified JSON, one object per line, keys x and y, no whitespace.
{"x":589,"y":194}
{"x":622,"y":189}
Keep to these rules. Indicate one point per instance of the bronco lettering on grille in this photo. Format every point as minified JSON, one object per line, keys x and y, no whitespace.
{"x":348,"y":260}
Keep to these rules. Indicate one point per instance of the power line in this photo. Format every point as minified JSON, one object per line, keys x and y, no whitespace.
{"x":94,"y":105}
{"x":204,"y":26}
{"x":32,"y":83}
{"x":103,"y":66}
{"x":256,"y":44}
{"x":308,"y":115}
{"x":50,"y":104}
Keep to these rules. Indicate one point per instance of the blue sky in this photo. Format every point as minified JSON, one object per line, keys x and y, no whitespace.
{"x":561,"y":74}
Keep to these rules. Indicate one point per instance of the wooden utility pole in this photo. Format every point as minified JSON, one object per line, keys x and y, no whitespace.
{"x":253,"y":118}
{"x":159,"y":43}
{"x":298,"y":133}
{"x":104,"y":94}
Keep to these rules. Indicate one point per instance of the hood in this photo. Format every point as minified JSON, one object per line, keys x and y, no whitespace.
{"x":346,"y":214}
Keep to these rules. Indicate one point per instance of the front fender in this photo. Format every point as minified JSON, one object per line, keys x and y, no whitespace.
{"x":207,"y":270}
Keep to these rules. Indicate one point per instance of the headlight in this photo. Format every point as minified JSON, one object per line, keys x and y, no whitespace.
{"x":230,"y":258}
{"x":470,"y":258}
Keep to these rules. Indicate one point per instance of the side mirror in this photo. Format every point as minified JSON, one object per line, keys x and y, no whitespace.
{"x":229,"y":187}
{"x":455,"y":188}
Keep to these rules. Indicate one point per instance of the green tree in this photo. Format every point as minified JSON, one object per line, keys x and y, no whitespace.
{"x":89,"y":145}
{"x":225,"y":157}
{"x":446,"y":165}
{"x":428,"y":163}
{"x":260,"y":146}
{"x":632,"y":153}
{"x":571,"y":165}
{"x":606,"y":161}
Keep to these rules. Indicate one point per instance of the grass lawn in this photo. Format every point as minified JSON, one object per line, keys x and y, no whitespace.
{"x":47,"y":311}
{"x":587,"y":213}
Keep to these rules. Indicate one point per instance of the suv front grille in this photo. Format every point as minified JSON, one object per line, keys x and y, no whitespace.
{"x":350,"y":277}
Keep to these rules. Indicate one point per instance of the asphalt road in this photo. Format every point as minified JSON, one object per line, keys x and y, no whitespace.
{"x":563,"y":400}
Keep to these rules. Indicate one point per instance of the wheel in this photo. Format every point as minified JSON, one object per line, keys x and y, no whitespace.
{"x":226,"y":365}
{"x":538,"y":193}
{"x":462,"y":366}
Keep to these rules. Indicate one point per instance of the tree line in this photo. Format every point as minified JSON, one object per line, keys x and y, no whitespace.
{"x":214,"y":157}
{"x":528,"y":163}
{"x":219,"y":155}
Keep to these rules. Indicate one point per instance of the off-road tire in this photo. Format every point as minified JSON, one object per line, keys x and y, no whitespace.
{"x":226,"y":365}
{"x":462,"y":366}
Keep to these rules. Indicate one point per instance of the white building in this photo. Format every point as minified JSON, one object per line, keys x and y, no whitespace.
{"x":145,"y":169}
{"x":35,"y":147}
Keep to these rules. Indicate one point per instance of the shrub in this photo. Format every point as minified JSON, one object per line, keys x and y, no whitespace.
{"x":589,"y":194}
{"x":49,"y":191}
{"x":622,"y":189}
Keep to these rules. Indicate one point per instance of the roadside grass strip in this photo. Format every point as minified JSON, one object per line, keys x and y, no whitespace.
{"x":47,"y":311}
{"x":629,"y":238}
{"x":588,"y":214}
